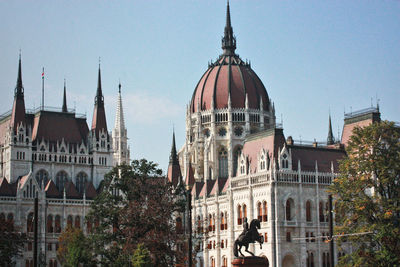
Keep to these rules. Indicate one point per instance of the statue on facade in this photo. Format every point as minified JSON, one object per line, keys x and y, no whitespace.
{"x":249,"y":235}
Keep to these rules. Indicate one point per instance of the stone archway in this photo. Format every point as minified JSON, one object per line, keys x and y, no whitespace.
{"x":288,"y":261}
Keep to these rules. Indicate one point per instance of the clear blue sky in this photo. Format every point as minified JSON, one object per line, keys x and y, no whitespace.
{"x":311,"y":55}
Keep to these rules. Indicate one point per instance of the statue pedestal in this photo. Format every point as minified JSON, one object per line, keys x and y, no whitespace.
{"x":250,"y":261}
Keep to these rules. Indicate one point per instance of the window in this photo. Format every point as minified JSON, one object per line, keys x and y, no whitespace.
{"x":321,"y":212}
{"x":244,"y":211}
{"x":236,"y":156}
{"x":308,"y":211}
{"x":265,"y":237}
{"x":289,"y":209}
{"x":224,"y":262}
{"x":259,"y":211}
{"x":69,"y":220}
{"x":179,"y":225}
{"x":223,"y":163}
{"x":61,"y":179}
{"x":212,"y":262}
{"x":199,"y":225}
{"x":77,"y":222}
{"x":222,"y":221}
{"x":81,"y":180}
{"x":240,"y":215}
{"x":49,"y":246}
{"x":57,"y":224}
{"x":29,"y":223}
{"x":10,"y":220}
{"x":50,"y":223}
{"x":310,"y":259}
{"x":288,"y":237}
{"x":265,"y":211}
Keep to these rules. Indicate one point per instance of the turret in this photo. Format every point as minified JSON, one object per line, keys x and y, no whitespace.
{"x":18,"y":110}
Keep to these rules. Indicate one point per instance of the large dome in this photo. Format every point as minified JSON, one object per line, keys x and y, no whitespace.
{"x":229,"y":74}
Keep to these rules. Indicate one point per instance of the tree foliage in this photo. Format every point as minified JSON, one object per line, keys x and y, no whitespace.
{"x":72,"y":250}
{"x":136,"y":206}
{"x":11,"y":242}
{"x":141,"y":257}
{"x":367,"y":196}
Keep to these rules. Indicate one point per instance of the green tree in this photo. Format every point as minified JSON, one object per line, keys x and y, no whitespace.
{"x":141,"y":257}
{"x":11,"y":242}
{"x":367,"y":196}
{"x":72,"y":250}
{"x":136,"y":205}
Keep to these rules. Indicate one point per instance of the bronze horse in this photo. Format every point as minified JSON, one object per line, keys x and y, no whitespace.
{"x":250,"y":236}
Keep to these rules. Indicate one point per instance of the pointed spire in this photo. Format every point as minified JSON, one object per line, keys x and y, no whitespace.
{"x":119,"y":118}
{"x":64,"y":106}
{"x":18,"y":110}
{"x":19,"y":88}
{"x":228,"y":41}
{"x":99,"y":115}
{"x":174,"y":174}
{"x":99,"y":99}
{"x":173,"y":158}
{"x":330,"y":140}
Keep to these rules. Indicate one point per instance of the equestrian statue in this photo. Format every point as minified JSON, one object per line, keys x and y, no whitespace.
{"x":249,"y":235}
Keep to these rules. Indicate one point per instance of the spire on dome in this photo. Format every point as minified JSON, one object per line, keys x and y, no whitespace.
{"x":174,"y":174}
{"x":99,"y":115}
{"x":330,"y":140}
{"x":64,"y":106}
{"x":18,"y":110}
{"x":228,"y":41}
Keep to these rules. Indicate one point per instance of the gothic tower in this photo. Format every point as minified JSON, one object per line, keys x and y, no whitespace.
{"x":119,"y":135}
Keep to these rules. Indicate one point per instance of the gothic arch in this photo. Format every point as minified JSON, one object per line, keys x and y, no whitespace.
{"x":61,"y":180}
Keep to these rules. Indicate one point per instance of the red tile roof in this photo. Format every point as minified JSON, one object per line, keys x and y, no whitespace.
{"x":52,"y":191}
{"x":324,"y":157}
{"x":90,"y":191}
{"x":70,"y":190}
{"x":237,"y":78}
{"x":5,"y":188}
{"x":55,"y":126}
{"x":189,"y":179}
{"x":270,"y":140}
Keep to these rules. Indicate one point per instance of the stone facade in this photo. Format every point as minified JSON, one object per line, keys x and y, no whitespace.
{"x":52,"y":154}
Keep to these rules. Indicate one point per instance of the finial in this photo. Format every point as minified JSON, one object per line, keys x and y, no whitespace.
{"x":99,"y":62}
{"x":228,"y":41}
{"x":64,"y":106}
{"x":119,"y":86}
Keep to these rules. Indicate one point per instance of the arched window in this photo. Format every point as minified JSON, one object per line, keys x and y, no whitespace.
{"x":61,"y":179}
{"x":69,"y":220}
{"x":289,"y":209}
{"x":226,"y":221}
{"x":57,"y":224}
{"x":240,"y":215}
{"x":199,"y":225}
{"x":236,"y":155}
{"x":81,"y":180}
{"x":210,"y":222}
{"x":222,"y":221}
{"x":265,"y":211}
{"x":321,"y":212}
{"x":224,"y":261}
{"x":244,"y":211}
{"x":259,"y":211}
{"x":223,"y":163}
{"x":50,"y":223}
{"x":308,"y":211}
{"x":29,"y":223}
{"x":179,"y":225}
{"x":42,"y":176}
{"x":77,"y":222}
{"x":10,"y":220}
{"x":212,"y":262}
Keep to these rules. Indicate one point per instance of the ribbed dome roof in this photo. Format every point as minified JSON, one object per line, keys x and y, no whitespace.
{"x":229,"y":74}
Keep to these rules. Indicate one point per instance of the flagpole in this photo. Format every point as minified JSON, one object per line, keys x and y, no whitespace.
{"x":43,"y":89}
